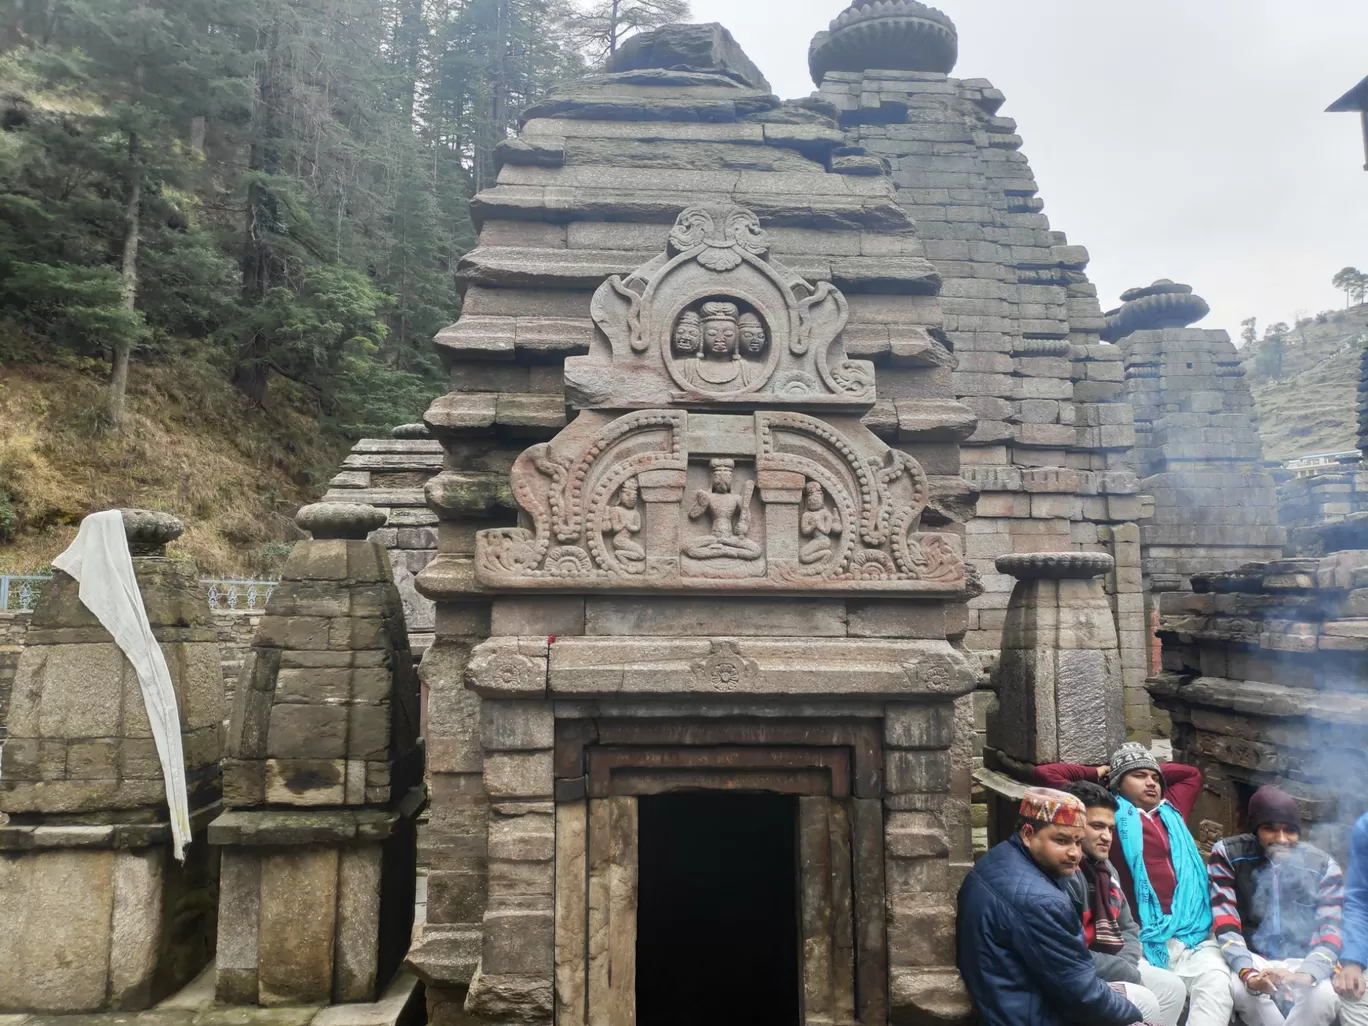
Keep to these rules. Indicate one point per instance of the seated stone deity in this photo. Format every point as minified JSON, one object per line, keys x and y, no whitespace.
{"x":730,"y":518}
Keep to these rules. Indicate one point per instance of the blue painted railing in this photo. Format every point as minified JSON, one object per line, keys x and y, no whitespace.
{"x":20,"y":593}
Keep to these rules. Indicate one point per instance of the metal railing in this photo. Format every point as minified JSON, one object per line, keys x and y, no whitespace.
{"x":239,"y":595}
{"x":19,"y":593}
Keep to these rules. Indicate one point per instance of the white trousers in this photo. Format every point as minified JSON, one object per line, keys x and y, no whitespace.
{"x":1206,"y":975}
{"x":1317,"y":1006}
{"x":1166,"y":991}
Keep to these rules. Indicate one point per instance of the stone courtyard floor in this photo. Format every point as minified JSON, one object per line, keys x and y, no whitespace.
{"x":401,"y":1005}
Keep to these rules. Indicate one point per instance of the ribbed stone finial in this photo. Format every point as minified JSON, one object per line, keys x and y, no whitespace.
{"x":894,"y":35}
{"x":149,"y":530}
{"x":410,"y":431}
{"x":349,"y":520}
{"x":1165,"y":304}
{"x":1059,"y":566}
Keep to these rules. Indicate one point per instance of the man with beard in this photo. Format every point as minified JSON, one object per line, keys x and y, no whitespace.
{"x":1020,"y":949}
{"x":1277,"y":905}
{"x":1109,"y":929}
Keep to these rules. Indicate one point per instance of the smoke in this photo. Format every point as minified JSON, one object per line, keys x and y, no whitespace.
{"x":1285,"y":893}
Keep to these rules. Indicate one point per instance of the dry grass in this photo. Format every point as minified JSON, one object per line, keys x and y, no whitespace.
{"x":193,"y":447}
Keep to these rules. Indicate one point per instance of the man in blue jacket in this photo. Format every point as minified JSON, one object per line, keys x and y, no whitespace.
{"x":1354,"y":956}
{"x":1020,"y":943}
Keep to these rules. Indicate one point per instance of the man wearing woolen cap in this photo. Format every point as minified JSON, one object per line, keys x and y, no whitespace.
{"x":1278,"y":906}
{"x":1019,"y":943}
{"x":1161,"y":870}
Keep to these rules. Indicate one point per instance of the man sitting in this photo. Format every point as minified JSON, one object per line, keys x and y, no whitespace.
{"x":1161,"y":871}
{"x":1020,"y":949}
{"x":1277,"y":904}
{"x":1109,"y":929}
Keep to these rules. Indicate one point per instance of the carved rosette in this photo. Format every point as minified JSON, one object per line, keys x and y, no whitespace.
{"x":672,"y":500}
{"x":714,"y":320}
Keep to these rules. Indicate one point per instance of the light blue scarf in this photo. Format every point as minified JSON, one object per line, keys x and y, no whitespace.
{"x":1189,"y":920}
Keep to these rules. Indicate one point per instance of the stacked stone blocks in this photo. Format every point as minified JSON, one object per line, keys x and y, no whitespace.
{"x":97,"y":913}
{"x":318,"y":846}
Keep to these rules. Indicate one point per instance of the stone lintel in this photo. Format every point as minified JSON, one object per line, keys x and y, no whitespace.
{"x":312,"y":826}
{"x":19,"y":835}
{"x":584,"y":667}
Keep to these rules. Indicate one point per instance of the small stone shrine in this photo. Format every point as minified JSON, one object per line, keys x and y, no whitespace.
{"x":708,"y":626}
{"x":95,"y":912}
{"x":1197,"y":444}
{"x":317,"y":892}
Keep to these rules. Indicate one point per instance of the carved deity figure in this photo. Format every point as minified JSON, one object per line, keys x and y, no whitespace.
{"x":730,"y":518}
{"x":688,"y":334}
{"x":624,"y":520}
{"x":718,"y":362}
{"x":752,"y":346}
{"x":817,"y":523}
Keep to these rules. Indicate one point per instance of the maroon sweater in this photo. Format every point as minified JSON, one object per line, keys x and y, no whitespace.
{"x":1182,"y":785}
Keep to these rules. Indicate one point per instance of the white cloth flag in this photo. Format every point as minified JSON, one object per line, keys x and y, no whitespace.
{"x":100,"y":561}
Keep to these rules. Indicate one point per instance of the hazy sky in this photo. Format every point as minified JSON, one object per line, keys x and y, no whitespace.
{"x":1179,"y":139}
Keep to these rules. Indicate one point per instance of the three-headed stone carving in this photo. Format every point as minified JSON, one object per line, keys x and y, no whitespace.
{"x":715,"y":319}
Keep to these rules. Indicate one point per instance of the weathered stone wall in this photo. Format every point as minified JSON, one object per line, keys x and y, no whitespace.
{"x":1049,"y":451}
{"x":1311,"y":500}
{"x":12,"y":629}
{"x":1263,"y":675}
{"x":235,"y":629}
{"x":390,"y":474}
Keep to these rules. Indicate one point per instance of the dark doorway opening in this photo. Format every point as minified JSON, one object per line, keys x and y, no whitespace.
{"x":717,"y":919}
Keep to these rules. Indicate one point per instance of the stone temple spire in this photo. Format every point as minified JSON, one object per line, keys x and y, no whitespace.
{"x":1165,"y":304}
{"x":892,"y":35}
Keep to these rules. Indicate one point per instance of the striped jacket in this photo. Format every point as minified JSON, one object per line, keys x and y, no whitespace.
{"x":1291,"y":908}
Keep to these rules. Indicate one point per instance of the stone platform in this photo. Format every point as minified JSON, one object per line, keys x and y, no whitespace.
{"x":401,"y":1005}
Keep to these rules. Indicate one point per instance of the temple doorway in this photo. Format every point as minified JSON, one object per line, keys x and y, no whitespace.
{"x":717,"y":920}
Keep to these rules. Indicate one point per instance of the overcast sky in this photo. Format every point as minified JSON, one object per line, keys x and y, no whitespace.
{"x":1179,"y":139}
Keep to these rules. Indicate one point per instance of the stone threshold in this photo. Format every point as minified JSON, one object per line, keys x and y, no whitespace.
{"x":401,"y":1005}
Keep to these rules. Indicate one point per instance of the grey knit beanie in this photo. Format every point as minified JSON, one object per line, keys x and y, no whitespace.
{"x":1130,"y":757}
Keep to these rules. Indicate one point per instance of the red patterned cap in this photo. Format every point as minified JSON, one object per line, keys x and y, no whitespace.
{"x":1046,"y":805}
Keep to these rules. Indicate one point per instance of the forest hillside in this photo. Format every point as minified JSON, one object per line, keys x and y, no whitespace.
{"x":229,"y":230}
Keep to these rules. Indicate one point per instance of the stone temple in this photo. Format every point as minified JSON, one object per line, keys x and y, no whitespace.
{"x":794,"y":497}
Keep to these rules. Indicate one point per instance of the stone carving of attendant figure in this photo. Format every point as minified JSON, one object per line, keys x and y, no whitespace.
{"x":730,"y":518}
{"x":752,"y":346}
{"x":818,"y":523}
{"x":688,"y":334}
{"x":624,"y":520}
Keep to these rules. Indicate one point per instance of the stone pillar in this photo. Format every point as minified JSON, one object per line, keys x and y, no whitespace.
{"x":95,"y":912}
{"x":1058,"y":683}
{"x":321,"y":781}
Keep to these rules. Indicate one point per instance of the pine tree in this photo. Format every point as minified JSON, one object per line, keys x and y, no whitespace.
{"x":130,"y":71}
{"x":604,"y":25}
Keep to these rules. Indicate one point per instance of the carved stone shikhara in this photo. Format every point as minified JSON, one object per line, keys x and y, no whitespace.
{"x":714,"y":320}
